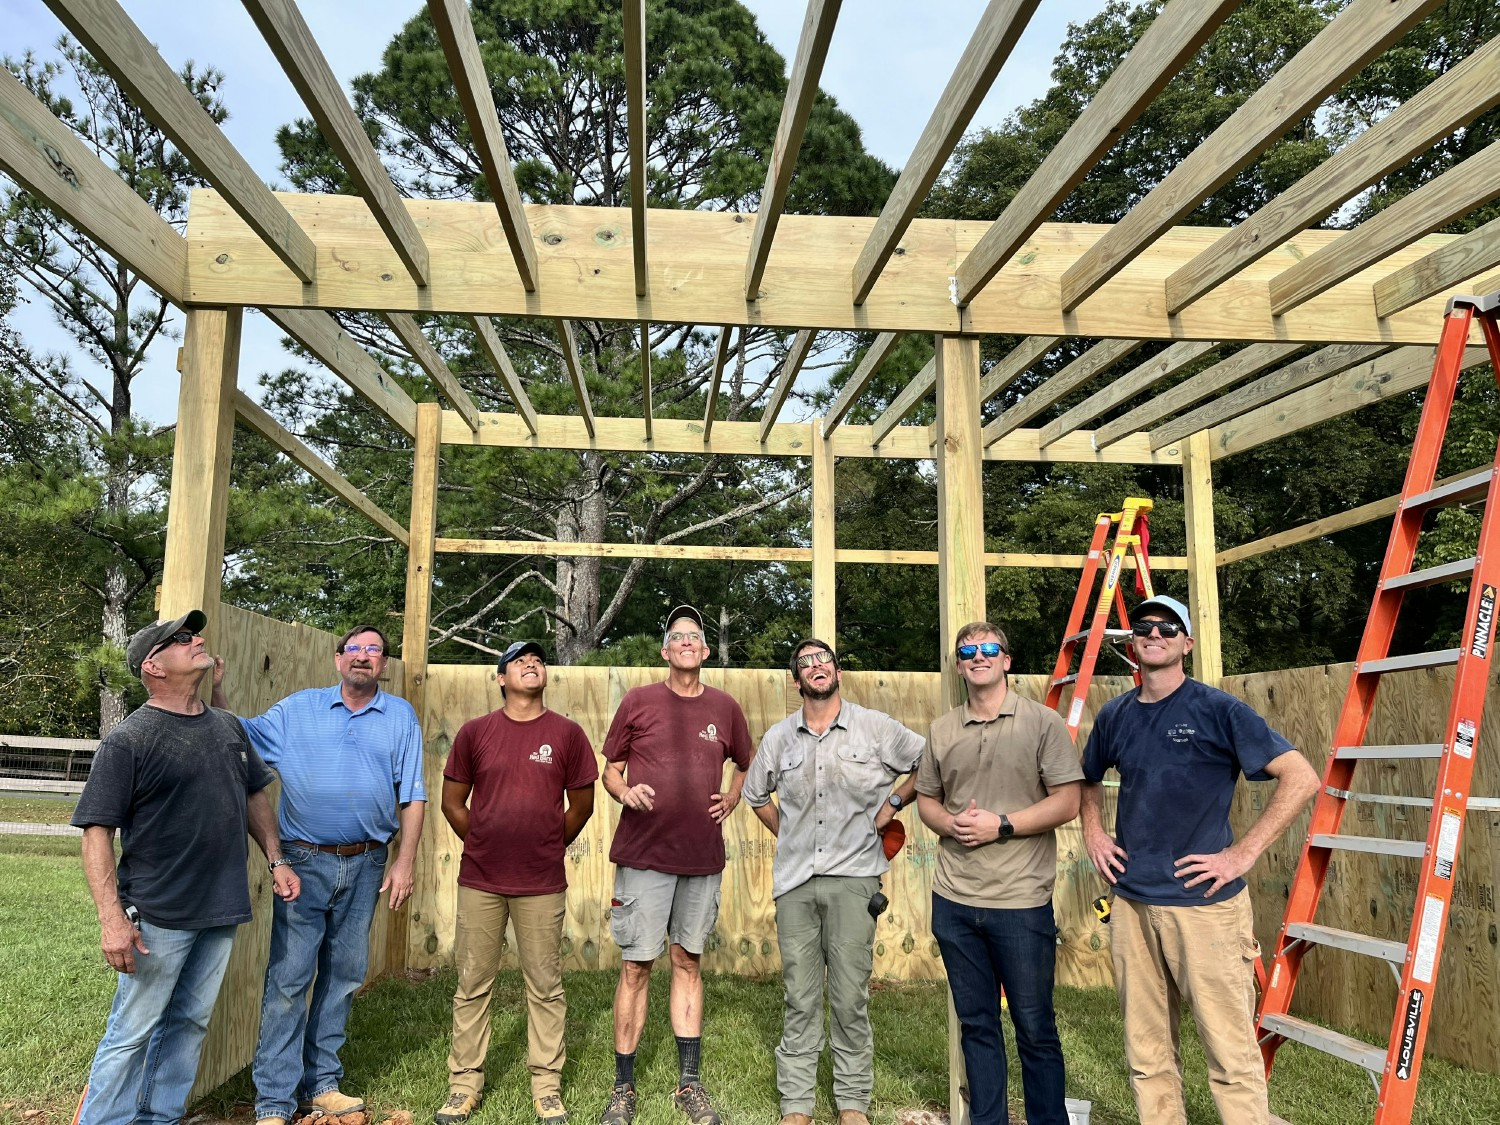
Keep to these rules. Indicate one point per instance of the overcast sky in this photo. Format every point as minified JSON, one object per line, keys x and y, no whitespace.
{"x":887,"y":67}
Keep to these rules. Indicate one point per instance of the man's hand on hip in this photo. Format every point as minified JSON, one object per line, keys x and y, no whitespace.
{"x":720,"y":805}
{"x":1106,"y":855}
{"x":1217,"y":869}
{"x":399,"y":880}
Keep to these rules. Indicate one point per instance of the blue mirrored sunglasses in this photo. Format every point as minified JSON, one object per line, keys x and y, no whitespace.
{"x":989,"y":648}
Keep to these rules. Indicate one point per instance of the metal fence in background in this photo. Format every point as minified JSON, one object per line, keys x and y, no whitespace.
{"x":42,"y":769}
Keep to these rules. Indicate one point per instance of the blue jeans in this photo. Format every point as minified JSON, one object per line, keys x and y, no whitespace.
{"x":325,"y":930}
{"x":146,"y":1062}
{"x":984,"y":950}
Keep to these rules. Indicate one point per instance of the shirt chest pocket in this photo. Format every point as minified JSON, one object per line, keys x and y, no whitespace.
{"x":792,"y":773}
{"x":861,"y":766}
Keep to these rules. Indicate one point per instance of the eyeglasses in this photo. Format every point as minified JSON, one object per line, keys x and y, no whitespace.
{"x":181,"y":637}
{"x":1168,"y":629}
{"x":368,"y":650}
{"x":989,"y":648}
{"x":696,"y":638}
{"x":820,"y":656}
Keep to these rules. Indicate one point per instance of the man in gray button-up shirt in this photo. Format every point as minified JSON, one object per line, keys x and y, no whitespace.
{"x":831,"y":764}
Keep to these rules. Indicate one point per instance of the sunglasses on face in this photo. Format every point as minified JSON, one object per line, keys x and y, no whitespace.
{"x":991,"y":649}
{"x":368,"y":650}
{"x":181,"y":637}
{"x":808,"y":659}
{"x":1168,"y":629}
{"x":696,"y":638}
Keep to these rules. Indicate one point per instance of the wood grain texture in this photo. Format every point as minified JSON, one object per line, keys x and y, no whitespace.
{"x":1472,"y":254}
{"x":1121,"y":390}
{"x":960,"y":489}
{"x":410,"y":334}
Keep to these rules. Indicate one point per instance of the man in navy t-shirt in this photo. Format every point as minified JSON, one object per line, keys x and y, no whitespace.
{"x":1181,"y":927}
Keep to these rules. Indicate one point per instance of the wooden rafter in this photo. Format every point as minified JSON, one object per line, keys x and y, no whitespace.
{"x":455,"y":31}
{"x":646,"y":409}
{"x":1434,"y":204}
{"x":336,"y":350}
{"x":1463,"y":93}
{"x":494,"y":351}
{"x":801,"y":93}
{"x":1315,"y":368}
{"x":1064,"y":383}
{"x":46,"y":158}
{"x":298,"y":52}
{"x":1469,"y":255}
{"x":635,"y":115}
{"x":1126,"y":387}
{"x":874,"y":356}
{"x":427,"y":357}
{"x":1359,"y":33}
{"x":999,"y":27}
{"x":1020,"y":360}
{"x":256,"y":418}
{"x":1243,"y":364}
{"x":1173,"y":37}
{"x":575,"y":373}
{"x":791,"y":364}
{"x":904,"y":403}
{"x":158,"y":91}
{"x":721,"y":360}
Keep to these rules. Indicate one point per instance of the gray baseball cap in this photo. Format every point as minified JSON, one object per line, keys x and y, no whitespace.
{"x":143,"y":643}
{"x":516,"y":649}
{"x":1167,"y":605}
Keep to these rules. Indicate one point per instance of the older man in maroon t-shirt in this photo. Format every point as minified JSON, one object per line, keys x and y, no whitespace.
{"x":503,"y":791}
{"x":664,"y":758}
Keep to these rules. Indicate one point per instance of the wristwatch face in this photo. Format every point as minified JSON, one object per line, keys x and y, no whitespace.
{"x":895,"y":799}
{"x":1007,"y":829}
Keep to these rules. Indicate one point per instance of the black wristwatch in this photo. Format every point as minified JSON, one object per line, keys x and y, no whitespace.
{"x":896,"y":801}
{"x":1007,"y":829}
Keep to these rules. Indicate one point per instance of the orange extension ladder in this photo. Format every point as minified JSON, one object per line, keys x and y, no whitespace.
{"x":1131,"y":537}
{"x":1395,"y":1066}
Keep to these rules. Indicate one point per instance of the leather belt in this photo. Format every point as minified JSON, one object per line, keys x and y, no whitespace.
{"x":341,"y":849}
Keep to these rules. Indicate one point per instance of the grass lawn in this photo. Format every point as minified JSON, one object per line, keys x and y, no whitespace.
{"x":54,"y":993}
{"x":37,"y":810}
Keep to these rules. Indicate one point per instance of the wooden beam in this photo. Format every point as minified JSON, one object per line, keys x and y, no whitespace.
{"x":419,"y":558}
{"x":494,"y":351}
{"x":636,"y":122}
{"x":583,"y":257}
{"x":1436,"y":203}
{"x":646,"y":376}
{"x":999,"y":27}
{"x":1243,"y":364}
{"x":193,"y":565}
{"x":256,"y":419}
{"x":336,"y":350}
{"x":1359,"y":33}
{"x":905,"y":402}
{"x":1304,"y":372}
{"x":1172,"y":39}
{"x":721,"y":359}
{"x":1064,"y":383}
{"x":1468,"y":256}
{"x":1203,"y":575}
{"x":1016,"y":363}
{"x":1014,"y":560}
{"x":1330,"y":399}
{"x":791,"y":364}
{"x":455,"y":31}
{"x":824,"y":552}
{"x":801,"y":93}
{"x":298,"y":52}
{"x":158,"y":91}
{"x":960,"y":463}
{"x":1471,"y":88}
{"x":575,"y":373}
{"x":427,"y":357}
{"x":1126,"y":387}
{"x":857,"y":383}
{"x":46,"y":158}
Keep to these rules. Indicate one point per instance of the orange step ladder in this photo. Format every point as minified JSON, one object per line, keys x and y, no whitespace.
{"x":1394,"y":1067}
{"x":1130,"y":538}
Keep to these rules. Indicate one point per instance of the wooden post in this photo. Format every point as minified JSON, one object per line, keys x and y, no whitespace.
{"x":1203,"y":574}
{"x":960,"y":463}
{"x":194,"y":561}
{"x":824,"y":611}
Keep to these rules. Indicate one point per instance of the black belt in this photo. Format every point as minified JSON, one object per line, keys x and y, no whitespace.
{"x":341,"y":849}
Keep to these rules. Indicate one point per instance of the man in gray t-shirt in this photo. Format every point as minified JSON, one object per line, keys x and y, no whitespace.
{"x":831,"y":764}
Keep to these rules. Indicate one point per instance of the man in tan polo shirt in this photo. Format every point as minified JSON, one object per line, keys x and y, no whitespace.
{"x":998,"y":775}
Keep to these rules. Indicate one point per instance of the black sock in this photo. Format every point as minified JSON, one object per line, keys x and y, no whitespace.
{"x":624,"y":1069}
{"x":687,"y":1058}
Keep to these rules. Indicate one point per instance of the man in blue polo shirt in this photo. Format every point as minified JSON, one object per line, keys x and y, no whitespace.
{"x":350,"y":761}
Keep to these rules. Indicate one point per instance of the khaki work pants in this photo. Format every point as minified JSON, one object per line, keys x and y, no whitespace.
{"x":538,"y":922}
{"x":1202,"y":954}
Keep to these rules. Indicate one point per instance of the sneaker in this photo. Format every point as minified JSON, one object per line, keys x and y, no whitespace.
{"x":621,"y":1108}
{"x":331,"y":1103}
{"x":550,"y":1110}
{"x":693,"y":1100}
{"x":457,"y":1109}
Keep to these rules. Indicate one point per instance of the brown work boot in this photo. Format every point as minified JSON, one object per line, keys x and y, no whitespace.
{"x":331,"y":1103}
{"x":853,"y":1117}
{"x":621,"y":1108}
{"x":693,"y":1100}
{"x":457,"y":1109}
{"x":550,"y":1110}
{"x":796,"y":1119}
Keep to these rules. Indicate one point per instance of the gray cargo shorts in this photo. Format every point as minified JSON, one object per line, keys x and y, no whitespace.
{"x":649,"y":906}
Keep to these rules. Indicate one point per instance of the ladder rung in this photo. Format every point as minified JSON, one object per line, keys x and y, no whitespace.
{"x":1392,"y":951}
{"x":1431,"y":576}
{"x":1378,"y":845}
{"x":1473,"y":804}
{"x":1060,"y":681}
{"x":1440,"y":659}
{"x":1334,"y":1043}
{"x":1465,"y":488}
{"x":1416,"y":750}
{"x":1117,"y":633}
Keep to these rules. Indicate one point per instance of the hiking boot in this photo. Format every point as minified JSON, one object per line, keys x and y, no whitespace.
{"x":621,"y":1108}
{"x":456,"y":1110}
{"x":550,"y":1110}
{"x":853,"y":1117}
{"x":693,"y":1100}
{"x":796,"y":1119}
{"x":331,"y":1103}
{"x":270,"y":1121}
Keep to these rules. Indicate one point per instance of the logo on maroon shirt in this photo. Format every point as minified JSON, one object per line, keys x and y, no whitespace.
{"x":709,"y":735}
{"x":543,"y":754}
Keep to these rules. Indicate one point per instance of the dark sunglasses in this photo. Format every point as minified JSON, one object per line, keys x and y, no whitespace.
{"x":989,"y":648}
{"x":181,"y":637}
{"x":1168,"y":629}
{"x":808,"y":659}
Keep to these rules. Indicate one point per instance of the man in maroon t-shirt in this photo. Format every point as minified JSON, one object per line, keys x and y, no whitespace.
{"x":664,"y":759}
{"x":503,"y":791}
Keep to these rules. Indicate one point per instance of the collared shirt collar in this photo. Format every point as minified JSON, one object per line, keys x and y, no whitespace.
{"x":335,"y":698}
{"x":841,"y":720}
{"x":1007,"y":707}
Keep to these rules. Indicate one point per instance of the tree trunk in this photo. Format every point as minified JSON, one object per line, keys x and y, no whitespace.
{"x":577,"y":603}
{"x":112,"y":703}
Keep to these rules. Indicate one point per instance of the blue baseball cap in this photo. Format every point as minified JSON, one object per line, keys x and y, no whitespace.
{"x":1167,"y":605}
